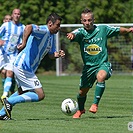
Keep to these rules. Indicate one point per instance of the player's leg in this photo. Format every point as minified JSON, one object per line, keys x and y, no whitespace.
{"x":100,"y":87}
{"x":3,"y":61}
{"x":3,"y":114}
{"x":86,"y":81}
{"x":29,"y":85}
{"x":81,"y":99}
{"x":8,"y":83}
{"x":104,"y":72}
{"x":27,"y":96}
{"x":30,"y":96}
{"x":9,"y":75}
{"x":30,"y":91}
{"x":12,"y":89}
{"x":3,"y":76}
{"x":33,"y":95}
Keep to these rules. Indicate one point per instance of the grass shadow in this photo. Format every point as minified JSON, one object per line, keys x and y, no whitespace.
{"x":106,"y":117}
{"x":89,"y":117}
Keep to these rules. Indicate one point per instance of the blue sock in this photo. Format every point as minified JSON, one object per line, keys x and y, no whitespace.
{"x":7,"y":85}
{"x":14,"y":94}
{"x":26,"y":97}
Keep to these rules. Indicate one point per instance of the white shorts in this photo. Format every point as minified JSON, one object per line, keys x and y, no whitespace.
{"x":9,"y":62}
{"x":26,"y":80}
{"x":6,"y":61}
{"x":3,"y":60}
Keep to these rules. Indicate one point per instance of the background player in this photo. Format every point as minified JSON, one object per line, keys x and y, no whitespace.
{"x":6,"y":18}
{"x":11,"y":33}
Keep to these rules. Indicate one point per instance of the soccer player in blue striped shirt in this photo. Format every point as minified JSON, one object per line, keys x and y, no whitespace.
{"x":6,"y":18}
{"x":12,"y":33}
{"x":37,"y":42}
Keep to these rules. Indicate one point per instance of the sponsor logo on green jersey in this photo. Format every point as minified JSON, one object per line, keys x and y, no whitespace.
{"x":93,"y":49}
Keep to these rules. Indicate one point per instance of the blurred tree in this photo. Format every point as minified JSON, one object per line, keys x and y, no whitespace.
{"x":36,"y":11}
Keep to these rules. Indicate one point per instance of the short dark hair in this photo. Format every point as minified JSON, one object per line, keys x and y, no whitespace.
{"x":53,"y":17}
{"x":86,"y":10}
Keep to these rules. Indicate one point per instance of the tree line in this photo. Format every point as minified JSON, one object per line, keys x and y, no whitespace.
{"x":36,"y":11}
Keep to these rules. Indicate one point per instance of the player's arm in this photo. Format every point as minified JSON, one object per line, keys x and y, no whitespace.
{"x":70,"y":36}
{"x":76,"y":34}
{"x":26,"y":34}
{"x":126,"y":30}
{"x":2,"y":33}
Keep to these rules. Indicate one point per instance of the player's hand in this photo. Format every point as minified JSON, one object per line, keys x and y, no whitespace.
{"x":20,"y":47}
{"x":70,"y":36}
{"x":2,"y":42}
{"x":131,"y":29}
{"x":61,"y":53}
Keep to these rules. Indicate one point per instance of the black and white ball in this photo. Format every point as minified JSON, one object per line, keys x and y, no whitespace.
{"x":69,"y":106}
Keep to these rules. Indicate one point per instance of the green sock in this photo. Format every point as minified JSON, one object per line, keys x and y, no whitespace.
{"x":3,"y":81}
{"x":100,"y":87}
{"x":81,"y":102}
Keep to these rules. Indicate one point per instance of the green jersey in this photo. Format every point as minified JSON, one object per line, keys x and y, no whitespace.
{"x":93,"y":43}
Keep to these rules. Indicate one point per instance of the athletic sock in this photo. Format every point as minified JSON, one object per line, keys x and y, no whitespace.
{"x":7,"y":85}
{"x":25,"y":97}
{"x":81,"y":102}
{"x":100,"y":87}
{"x":14,"y":94}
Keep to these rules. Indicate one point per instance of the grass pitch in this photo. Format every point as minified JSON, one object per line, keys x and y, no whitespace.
{"x":114,"y":112}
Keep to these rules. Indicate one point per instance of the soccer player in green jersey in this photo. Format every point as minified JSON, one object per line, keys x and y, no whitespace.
{"x":93,"y":45}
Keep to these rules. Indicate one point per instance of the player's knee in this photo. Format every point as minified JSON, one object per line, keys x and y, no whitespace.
{"x":3,"y":72}
{"x":101,"y":76}
{"x":9,"y":73}
{"x":40,"y":93}
{"x":41,"y":97}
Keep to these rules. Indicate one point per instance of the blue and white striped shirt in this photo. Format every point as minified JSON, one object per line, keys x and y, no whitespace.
{"x":12,"y":34}
{"x":39,"y":43}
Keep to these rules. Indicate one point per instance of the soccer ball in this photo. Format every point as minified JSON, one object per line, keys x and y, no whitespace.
{"x":69,"y":106}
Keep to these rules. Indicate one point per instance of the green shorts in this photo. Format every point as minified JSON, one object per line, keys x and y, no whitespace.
{"x":89,"y":74}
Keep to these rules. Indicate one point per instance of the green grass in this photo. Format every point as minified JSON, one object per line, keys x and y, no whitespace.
{"x":114,"y":113}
